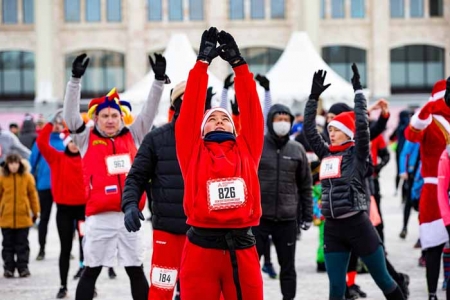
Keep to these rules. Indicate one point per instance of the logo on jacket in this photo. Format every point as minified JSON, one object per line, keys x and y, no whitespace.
{"x":111,"y":189}
{"x":99,"y":142}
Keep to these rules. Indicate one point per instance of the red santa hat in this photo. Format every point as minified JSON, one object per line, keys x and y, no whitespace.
{"x":65,"y":136}
{"x":438,"y":91}
{"x":345,"y":122}
{"x":209,"y":113}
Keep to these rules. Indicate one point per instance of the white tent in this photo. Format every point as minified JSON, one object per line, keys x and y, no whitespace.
{"x":291,"y":77}
{"x":180,"y":57}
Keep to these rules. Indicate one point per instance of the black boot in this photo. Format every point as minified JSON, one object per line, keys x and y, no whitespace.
{"x":395,"y":295}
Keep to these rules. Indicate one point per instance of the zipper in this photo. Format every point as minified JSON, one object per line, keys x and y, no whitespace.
{"x":118,"y":175}
{"x":277,"y":185}
{"x":15,"y":201}
{"x":331,"y":199}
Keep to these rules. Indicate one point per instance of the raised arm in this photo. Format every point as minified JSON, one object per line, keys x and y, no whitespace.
{"x":19,"y":147}
{"x":265,"y":83}
{"x":144,"y":120}
{"x":362,"y":136}
{"x":379,"y":126}
{"x":226,"y":86}
{"x":43,"y":142}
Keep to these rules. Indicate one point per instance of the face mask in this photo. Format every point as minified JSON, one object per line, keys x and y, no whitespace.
{"x":281,"y":128}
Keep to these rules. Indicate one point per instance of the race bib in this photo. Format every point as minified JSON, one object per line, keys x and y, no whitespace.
{"x":164,"y":278}
{"x":81,"y":228}
{"x":330,"y":167}
{"x":118,"y":164}
{"x":226,"y":193}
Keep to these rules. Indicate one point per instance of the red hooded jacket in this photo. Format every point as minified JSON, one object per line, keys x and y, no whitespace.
{"x":203,"y":163}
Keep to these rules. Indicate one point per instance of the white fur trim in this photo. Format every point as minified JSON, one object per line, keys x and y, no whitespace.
{"x":430,"y":180}
{"x":441,"y":120}
{"x":420,"y":124}
{"x":209,"y":112}
{"x":438,"y":95}
{"x":90,"y":123}
{"x":342,"y":128}
{"x":67,"y":140}
{"x":433,"y":234}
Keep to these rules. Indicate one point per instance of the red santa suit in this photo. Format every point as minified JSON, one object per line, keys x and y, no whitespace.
{"x":430,"y":127}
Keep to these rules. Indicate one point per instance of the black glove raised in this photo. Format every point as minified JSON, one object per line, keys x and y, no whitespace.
{"x":132,"y":216}
{"x":208,"y":50}
{"x":234,"y":107}
{"x":78,"y":67}
{"x":228,"y":49}
{"x":263,"y":81}
{"x":317,"y":84}
{"x":209,"y":95}
{"x":447,"y":93}
{"x":159,"y":67}
{"x":228,"y":82}
{"x":356,"y":78}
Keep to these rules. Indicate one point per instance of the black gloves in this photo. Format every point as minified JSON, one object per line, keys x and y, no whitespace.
{"x":356,"y":78}
{"x":447,"y":93}
{"x":78,"y":67}
{"x":132,"y":216}
{"x":263,"y":81}
{"x":234,"y":107}
{"x":208,"y":50}
{"x":209,"y":95}
{"x":159,"y":67}
{"x":228,"y":49}
{"x":317,"y":84}
{"x":228,"y":82}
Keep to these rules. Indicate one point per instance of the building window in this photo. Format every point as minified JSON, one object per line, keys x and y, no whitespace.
{"x":337,"y":9}
{"x":340,"y":59}
{"x":436,"y":8}
{"x":9,"y":11}
{"x":416,"y":68}
{"x":416,"y":7}
{"x":114,"y":10}
{"x":28,"y":11}
{"x":236,"y":9}
{"x":358,"y":8}
{"x":93,"y":11}
{"x":72,"y":10}
{"x":260,"y":60}
{"x":16,"y":75}
{"x":322,"y":9}
{"x":106,"y":70}
{"x":397,"y":8}
{"x":277,"y":9}
{"x":196,"y":10}
{"x":257,"y":9}
{"x":154,"y":10}
{"x":175,"y":10}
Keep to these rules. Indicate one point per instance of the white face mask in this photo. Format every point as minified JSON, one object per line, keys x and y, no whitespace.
{"x":281,"y":128}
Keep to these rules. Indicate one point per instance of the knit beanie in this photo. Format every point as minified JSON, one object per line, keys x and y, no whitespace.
{"x":209,"y":112}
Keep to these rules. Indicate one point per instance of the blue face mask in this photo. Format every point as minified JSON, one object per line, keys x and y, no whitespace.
{"x":219,"y":136}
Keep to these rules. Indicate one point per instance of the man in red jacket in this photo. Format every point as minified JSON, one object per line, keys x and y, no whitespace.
{"x":222,"y":197}
{"x":108,"y":150}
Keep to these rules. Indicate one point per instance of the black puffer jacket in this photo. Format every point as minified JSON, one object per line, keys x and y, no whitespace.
{"x":157,"y":161}
{"x":284,"y":176}
{"x":346,"y":193}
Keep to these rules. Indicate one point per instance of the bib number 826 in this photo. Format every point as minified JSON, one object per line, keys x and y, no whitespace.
{"x":227,"y":192}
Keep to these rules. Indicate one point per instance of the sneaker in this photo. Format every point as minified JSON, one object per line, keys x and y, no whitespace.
{"x":432,"y":297}
{"x":321,"y":267}
{"x":356,"y":289}
{"x":8,"y":274}
{"x":417,"y":245}
{"x":268,"y":268}
{"x":422,"y":262}
{"x":350,"y":295}
{"x":24,"y":273}
{"x":78,"y":274}
{"x":111,"y":273}
{"x":62,"y":293}
{"x":403,"y":233}
{"x":41,"y":254}
{"x":403,"y":284}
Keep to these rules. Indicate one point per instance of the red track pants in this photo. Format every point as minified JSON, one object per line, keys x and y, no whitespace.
{"x":207,"y":273}
{"x":166,"y":258}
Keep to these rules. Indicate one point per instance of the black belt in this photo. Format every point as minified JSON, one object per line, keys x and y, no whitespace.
{"x":224,"y":239}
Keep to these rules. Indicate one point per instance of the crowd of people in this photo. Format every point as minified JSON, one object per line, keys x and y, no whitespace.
{"x":223,"y":185}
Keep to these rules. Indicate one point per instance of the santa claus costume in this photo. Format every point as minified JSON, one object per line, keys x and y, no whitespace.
{"x":430,"y":127}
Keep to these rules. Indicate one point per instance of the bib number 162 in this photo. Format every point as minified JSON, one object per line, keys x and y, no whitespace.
{"x":227,"y":192}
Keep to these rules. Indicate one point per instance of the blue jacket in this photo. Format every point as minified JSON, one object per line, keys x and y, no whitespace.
{"x":410,"y":153}
{"x":416,"y":189}
{"x":39,"y":167}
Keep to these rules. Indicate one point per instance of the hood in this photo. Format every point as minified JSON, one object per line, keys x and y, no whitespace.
{"x":276,"y":108}
{"x":404,"y":117}
{"x":23,"y":162}
{"x":28,"y":126}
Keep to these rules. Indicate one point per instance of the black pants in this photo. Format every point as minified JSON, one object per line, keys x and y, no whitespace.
{"x":406,"y":194}
{"x":66,"y":217}
{"x":86,"y":285}
{"x":284,"y":239}
{"x":15,"y":243}
{"x":377,"y":196}
{"x":267,"y":259}
{"x":46,"y":201}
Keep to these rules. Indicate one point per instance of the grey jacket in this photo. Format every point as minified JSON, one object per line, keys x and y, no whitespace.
{"x":10,"y":143}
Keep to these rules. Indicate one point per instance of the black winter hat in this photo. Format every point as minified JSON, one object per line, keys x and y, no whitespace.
{"x":339,"y":108}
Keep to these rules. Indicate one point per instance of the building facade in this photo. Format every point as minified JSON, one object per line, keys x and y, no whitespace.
{"x":399,"y":45}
